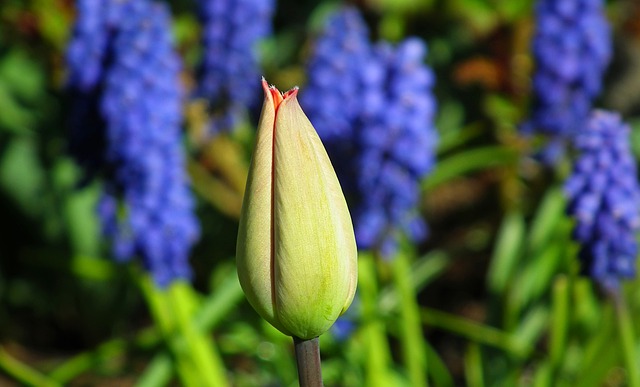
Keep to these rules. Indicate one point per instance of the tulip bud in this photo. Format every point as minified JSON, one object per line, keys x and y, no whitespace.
{"x":296,"y":250}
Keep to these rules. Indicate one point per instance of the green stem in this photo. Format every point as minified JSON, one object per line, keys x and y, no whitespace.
{"x":308,"y":361}
{"x":377,"y":347}
{"x":627,"y":339}
{"x":412,"y":338}
{"x":22,"y":372}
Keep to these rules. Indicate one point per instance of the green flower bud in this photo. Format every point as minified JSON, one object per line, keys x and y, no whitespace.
{"x":296,"y":251}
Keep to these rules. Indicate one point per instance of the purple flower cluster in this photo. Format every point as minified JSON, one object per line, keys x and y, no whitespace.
{"x":229,"y":74}
{"x":373,"y":107}
{"x":604,"y":198}
{"x":572,"y":48}
{"x":124,"y":73}
{"x":88,"y":51}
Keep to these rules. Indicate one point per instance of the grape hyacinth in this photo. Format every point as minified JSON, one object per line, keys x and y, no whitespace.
{"x":229,"y":74}
{"x":129,"y":95}
{"x":571,"y":48}
{"x":86,"y":56}
{"x":604,"y":198}
{"x":373,"y":108}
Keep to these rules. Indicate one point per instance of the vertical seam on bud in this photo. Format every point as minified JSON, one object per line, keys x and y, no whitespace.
{"x":273,"y":204}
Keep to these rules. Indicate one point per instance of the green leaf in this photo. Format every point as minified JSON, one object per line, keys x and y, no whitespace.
{"x":457,"y":137}
{"x":22,"y":90}
{"x":559,"y":321}
{"x":22,"y":76}
{"x":158,"y":372}
{"x":473,"y":366}
{"x":14,"y":117}
{"x":470,"y":161}
{"x":513,"y":10}
{"x":536,"y":277}
{"x":544,"y":224}
{"x":478,"y":14}
{"x":477,"y":332}
{"x":509,"y":247}
{"x":531,"y":328}
{"x":502,"y":110}
{"x":21,"y":175}
{"x":423,"y":272}
{"x":402,"y":6}
{"x":600,"y":354}
{"x":437,"y":368}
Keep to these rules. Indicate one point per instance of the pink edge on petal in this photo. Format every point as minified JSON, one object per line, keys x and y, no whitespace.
{"x":272,"y":95}
{"x":277,"y":97}
{"x":271,"y":92}
{"x":292,"y":93}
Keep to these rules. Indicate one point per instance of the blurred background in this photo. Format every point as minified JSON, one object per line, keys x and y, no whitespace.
{"x":470,"y":273}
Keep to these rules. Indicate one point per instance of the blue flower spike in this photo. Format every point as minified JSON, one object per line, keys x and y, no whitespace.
{"x":604,"y":199}
{"x":571,"y":48}
{"x":129,"y":104}
{"x":229,"y":73}
{"x":381,"y":143}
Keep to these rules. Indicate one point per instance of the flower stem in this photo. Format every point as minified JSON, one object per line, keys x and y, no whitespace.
{"x":308,"y":359}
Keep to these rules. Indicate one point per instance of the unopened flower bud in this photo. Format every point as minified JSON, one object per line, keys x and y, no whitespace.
{"x":296,"y":251}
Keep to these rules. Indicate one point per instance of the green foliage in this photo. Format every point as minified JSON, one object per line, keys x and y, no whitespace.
{"x":494,"y":298}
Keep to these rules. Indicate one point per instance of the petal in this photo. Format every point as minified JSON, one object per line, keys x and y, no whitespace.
{"x":254,"y":248}
{"x":315,"y":268}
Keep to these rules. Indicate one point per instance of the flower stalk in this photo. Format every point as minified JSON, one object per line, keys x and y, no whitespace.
{"x":308,"y":361}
